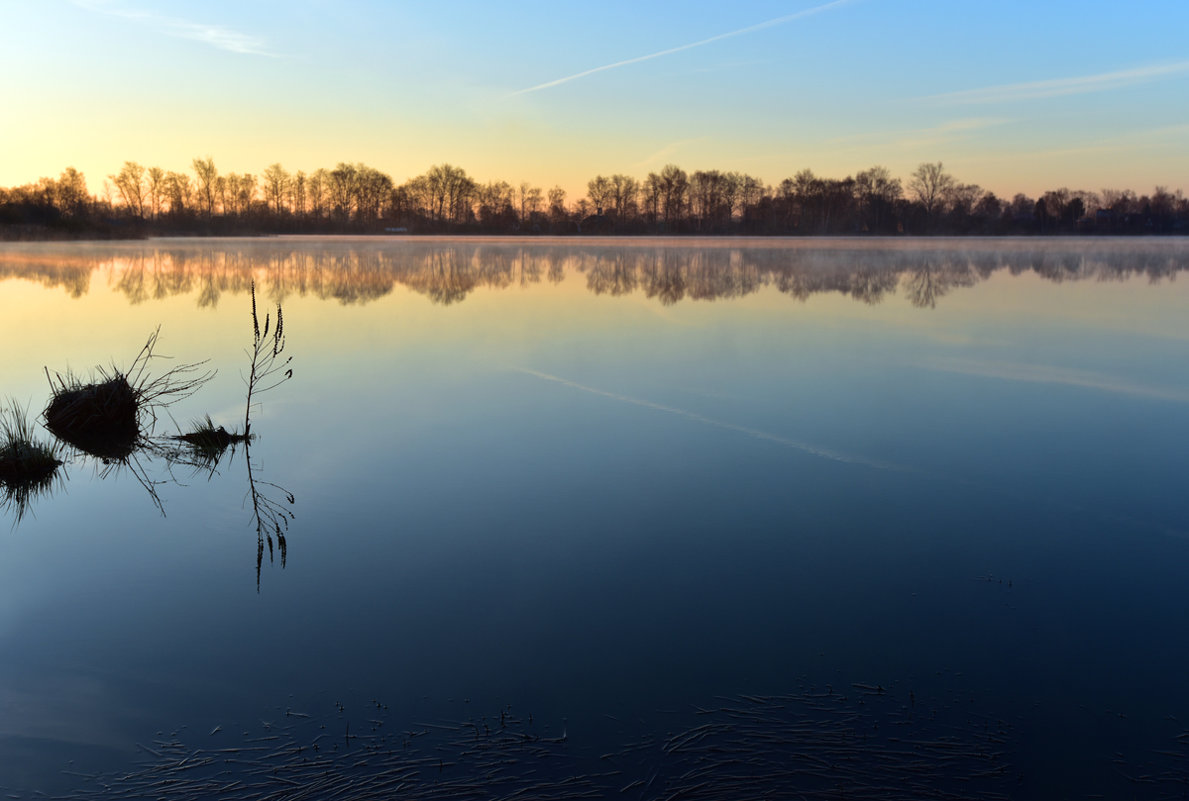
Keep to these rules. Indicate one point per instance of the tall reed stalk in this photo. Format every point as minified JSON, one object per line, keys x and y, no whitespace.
{"x":269,"y":369}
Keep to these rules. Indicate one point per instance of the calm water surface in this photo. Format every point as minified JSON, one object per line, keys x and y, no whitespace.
{"x":615,"y":487}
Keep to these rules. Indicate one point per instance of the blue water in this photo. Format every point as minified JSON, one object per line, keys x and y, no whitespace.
{"x":606,"y":483}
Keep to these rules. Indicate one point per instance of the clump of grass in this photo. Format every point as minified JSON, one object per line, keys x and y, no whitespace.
{"x":205,"y":444}
{"x":28,"y":467}
{"x":207,"y":439}
{"x":109,"y":416}
{"x":99,"y":417}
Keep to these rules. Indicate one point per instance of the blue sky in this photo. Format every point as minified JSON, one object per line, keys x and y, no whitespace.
{"x":1012,"y":96}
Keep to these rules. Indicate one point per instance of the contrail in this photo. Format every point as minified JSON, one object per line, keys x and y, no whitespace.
{"x":804,"y":447}
{"x":1057,"y":87}
{"x":1047,"y":374}
{"x":749,"y":29}
{"x":214,"y":35}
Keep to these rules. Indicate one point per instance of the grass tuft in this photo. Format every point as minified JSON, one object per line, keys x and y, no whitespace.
{"x":208,"y":442}
{"x":27,"y":467}
{"x":110,"y":416}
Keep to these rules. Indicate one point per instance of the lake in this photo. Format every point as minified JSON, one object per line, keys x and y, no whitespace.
{"x":647,"y":518}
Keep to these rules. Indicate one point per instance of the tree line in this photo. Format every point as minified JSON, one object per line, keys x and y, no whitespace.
{"x":355,"y":198}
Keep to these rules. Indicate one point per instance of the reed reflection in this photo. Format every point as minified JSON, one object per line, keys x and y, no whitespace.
{"x":448,"y":272}
{"x":109,"y":419}
{"x":29,"y":467}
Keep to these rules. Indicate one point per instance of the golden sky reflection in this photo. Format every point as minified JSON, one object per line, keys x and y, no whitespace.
{"x":71,"y":306}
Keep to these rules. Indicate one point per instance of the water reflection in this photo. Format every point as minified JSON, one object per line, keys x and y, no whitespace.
{"x":29,"y":467}
{"x":108,"y":420}
{"x":608,"y":508}
{"x":667,"y":271}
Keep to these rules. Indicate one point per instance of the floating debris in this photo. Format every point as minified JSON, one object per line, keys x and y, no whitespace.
{"x":813,"y":745}
{"x":825,"y":744}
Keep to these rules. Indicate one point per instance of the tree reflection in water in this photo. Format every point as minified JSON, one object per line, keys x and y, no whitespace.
{"x":668,"y":271}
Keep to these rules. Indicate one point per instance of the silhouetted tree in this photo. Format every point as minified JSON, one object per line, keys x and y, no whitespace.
{"x":930,"y":184}
{"x":131,"y":185}
{"x":318,"y":190}
{"x":155,"y":181}
{"x":207,"y":186}
{"x":354,"y":197}
{"x":598,"y":189}
{"x":297,"y":193}
{"x":557,"y":205}
{"x":276,"y":187}
{"x":72,"y":192}
{"x":496,"y":201}
{"x":529,"y":201}
{"x":876,"y":192}
{"x":673,"y":185}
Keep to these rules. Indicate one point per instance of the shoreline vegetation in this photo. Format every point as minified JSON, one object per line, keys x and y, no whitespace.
{"x":353,"y":198}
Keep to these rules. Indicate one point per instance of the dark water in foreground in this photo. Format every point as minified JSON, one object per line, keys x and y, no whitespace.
{"x":583,"y":519}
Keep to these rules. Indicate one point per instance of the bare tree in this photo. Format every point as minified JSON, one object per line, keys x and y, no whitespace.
{"x":179,"y":192}
{"x":930,"y":184}
{"x":624,"y":191}
{"x":674,"y":192}
{"x":297,"y":193}
{"x":318,"y":188}
{"x":450,"y":192}
{"x":372,"y":190}
{"x":221,"y":193}
{"x":496,"y":201}
{"x":598,"y":189}
{"x":239,"y":193}
{"x":155,"y":177}
{"x":876,"y":191}
{"x":72,"y":192}
{"x":276,"y":186}
{"x":131,"y":186}
{"x":529,"y":198}
{"x":343,"y":189}
{"x":650,"y":195}
{"x":712,"y":196}
{"x":207,"y":187}
{"x":557,"y":204}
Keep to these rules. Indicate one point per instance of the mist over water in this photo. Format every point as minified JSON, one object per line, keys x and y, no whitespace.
{"x":843,"y":501}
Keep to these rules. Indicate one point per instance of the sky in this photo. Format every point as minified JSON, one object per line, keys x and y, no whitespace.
{"x":1011,"y":96}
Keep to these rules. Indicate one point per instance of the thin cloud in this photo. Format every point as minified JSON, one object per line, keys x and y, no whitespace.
{"x":1057,"y":87}
{"x":1046,"y":374}
{"x":666,"y":153}
{"x":755,"y":433}
{"x":947,"y":132}
{"x":215,"y":36}
{"x":937,"y":134}
{"x":1141,"y":140}
{"x":740,"y":32}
